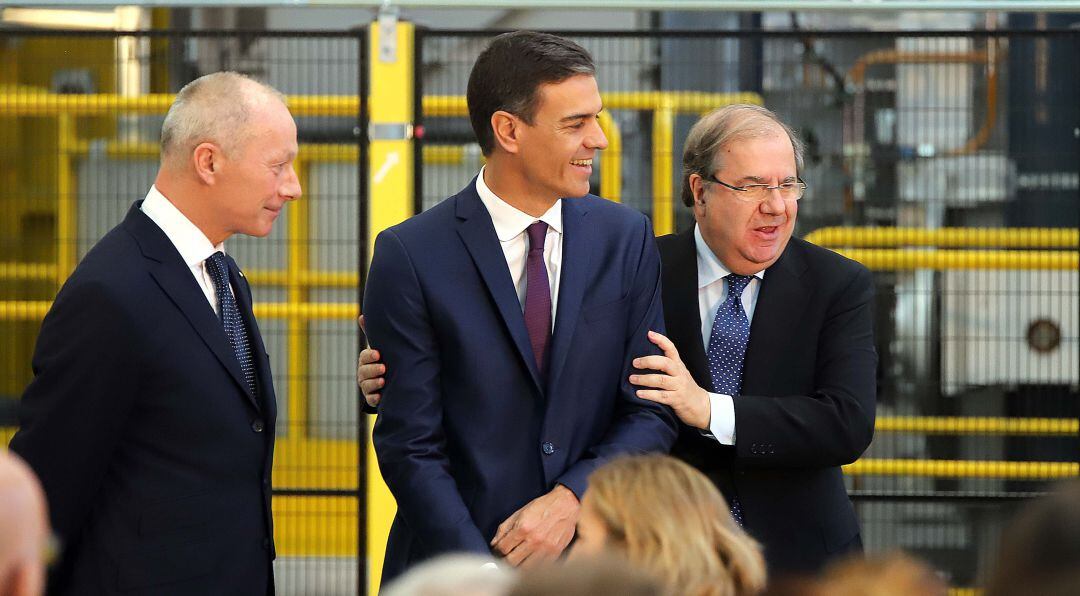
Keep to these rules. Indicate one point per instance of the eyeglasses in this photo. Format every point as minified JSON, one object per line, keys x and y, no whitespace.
{"x":756,"y":193}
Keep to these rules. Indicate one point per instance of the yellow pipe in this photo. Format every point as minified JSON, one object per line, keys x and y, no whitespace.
{"x":66,"y":223}
{"x":904,"y":260}
{"x":27,"y":271}
{"x":663,"y":140}
{"x":978,"y":425}
{"x":611,"y":160}
{"x":936,"y":468}
{"x":946,"y":237}
{"x":310,"y":152}
{"x":34,"y":310}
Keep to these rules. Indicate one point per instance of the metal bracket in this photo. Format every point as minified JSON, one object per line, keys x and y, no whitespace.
{"x":390,"y":131}
{"x":388,"y":19}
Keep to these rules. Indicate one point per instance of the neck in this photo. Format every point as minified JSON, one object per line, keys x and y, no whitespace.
{"x":511,"y":185}
{"x":195,"y":205}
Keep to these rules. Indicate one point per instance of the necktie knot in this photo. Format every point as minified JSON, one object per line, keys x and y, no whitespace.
{"x":215,"y":266}
{"x":537,"y":234}
{"x":736,"y":284}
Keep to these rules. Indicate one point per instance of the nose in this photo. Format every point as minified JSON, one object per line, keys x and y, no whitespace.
{"x":291,"y":188}
{"x":596,"y":138}
{"x":774,"y":204}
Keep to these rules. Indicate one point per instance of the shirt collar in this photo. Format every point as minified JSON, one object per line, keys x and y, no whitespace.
{"x":194,"y":247}
{"x":709,"y":268}
{"x":509,"y":221}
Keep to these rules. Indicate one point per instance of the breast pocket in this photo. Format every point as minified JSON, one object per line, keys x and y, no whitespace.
{"x":606,"y":312}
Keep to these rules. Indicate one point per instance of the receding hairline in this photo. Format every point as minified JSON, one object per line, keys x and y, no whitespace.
{"x":214,"y":108}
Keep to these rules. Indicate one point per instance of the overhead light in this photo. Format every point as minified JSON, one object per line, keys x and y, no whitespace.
{"x":57,"y":18}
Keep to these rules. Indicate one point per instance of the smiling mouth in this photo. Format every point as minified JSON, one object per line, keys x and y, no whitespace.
{"x":581,"y":162}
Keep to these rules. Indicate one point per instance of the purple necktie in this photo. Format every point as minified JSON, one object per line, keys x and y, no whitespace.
{"x":537,"y":294}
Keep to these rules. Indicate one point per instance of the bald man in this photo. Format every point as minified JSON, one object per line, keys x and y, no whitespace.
{"x":150,"y":418}
{"x":24,"y":529}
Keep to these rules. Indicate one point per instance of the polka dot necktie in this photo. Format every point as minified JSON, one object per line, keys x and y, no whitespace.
{"x":727,"y":347}
{"x":230,"y":317}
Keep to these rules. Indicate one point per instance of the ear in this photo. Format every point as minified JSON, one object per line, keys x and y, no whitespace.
{"x":507,"y":129}
{"x":207,"y":160}
{"x":697,"y":187}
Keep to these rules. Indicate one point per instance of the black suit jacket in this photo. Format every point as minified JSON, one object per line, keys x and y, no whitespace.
{"x":807,"y":403}
{"x":154,"y":455}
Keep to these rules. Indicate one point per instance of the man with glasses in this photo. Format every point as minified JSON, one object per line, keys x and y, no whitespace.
{"x":771,"y":362}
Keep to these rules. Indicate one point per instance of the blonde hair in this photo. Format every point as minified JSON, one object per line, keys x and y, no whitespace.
{"x":892,"y":574}
{"x":723,"y":126}
{"x":216,"y":108}
{"x":666,"y":516}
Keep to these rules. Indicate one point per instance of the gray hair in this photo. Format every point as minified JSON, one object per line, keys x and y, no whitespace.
{"x":453,"y":575}
{"x":721,"y":127}
{"x":214,"y":107}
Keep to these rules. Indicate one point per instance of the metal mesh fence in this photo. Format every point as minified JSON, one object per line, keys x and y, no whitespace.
{"x":80,"y":117}
{"x":945,"y":162}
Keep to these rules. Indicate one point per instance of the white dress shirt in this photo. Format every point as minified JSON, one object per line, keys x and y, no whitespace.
{"x":194,"y":247}
{"x":510,"y":224}
{"x":712,"y":291}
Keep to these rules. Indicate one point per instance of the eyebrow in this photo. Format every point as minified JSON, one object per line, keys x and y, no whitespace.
{"x":573,"y":117}
{"x":760,"y":180}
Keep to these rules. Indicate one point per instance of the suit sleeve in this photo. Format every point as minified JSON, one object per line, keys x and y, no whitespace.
{"x":72,"y":413}
{"x":639,"y":426}
{"x":408,"y":434}
{"x":834,"y":425}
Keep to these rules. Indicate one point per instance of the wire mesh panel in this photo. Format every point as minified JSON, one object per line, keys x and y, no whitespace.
{"x":80,"y":120}
{"x":945,"y":162}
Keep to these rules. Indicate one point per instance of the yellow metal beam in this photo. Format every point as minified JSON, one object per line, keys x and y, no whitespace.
{"x":936,"y":468}
{"x":978,"y":425}
{"x":902,"y":259}
{"x":663,"y":141}
{"x":865,"y":237}
{"x":611,"y":160}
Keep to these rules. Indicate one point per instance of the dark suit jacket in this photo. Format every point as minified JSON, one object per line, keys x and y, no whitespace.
{"x":469,"y":431}
{"x":154,"y":456}
{"x":807,"y":403}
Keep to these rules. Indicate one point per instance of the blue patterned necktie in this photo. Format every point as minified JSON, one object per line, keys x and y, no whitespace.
{"x":230,"y":317}
{"x":727,"y":347}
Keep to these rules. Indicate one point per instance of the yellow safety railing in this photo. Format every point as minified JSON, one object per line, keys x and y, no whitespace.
{"x":954,"y":468}
{"x":884,"y":237}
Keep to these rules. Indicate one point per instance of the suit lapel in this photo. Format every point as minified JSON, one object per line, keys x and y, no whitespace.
{"x":783,"y":296}
{"x":174,"y":278}
{"x":573,"y":279}
{"x":478,"y":234}
{"x":682,"y":316}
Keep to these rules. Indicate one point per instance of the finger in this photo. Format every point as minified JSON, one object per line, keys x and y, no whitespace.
{"x":372,"y":399}
{"x":504,"y":529}
{"x":653,"y":381}
{"x":371,"y":371}
{"x":519,"y":554}
{"x":369,"y":356}
{"x":360,"y":321}
{"x":660,"y":397}
{"x":664,"y":344}
{"x":660,"y":363}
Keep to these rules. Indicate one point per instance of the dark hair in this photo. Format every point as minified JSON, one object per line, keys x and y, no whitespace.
{"x":1040,"y":549}
{"x":511,"y":69}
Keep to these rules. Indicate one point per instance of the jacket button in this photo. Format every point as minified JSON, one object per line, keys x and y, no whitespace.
{"x":547,"y":448}
{"x":257,"y":425}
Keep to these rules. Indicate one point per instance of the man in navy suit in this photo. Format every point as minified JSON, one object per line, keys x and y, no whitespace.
{"x":150,"y":418}
{"x":788,"y":371}
{"x":508,"y":316}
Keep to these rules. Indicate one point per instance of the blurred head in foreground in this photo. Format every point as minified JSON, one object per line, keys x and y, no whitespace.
{"x":24,"y":528}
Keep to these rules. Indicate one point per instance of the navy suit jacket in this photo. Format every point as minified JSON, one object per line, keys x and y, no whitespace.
{"x":468,"y":430}
{"x":154,"y":455}
{"x":807,"y":403}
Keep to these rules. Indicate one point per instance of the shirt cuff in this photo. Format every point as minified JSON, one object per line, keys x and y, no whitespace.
{"x":722,"y":422}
